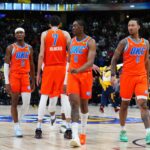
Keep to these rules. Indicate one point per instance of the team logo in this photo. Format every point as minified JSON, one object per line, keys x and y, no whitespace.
{"x":88,"y":93}
{"x":28,"y":87}
{"x":146,"y":92}
{"x":77,"y":49}
{"x":137,"y":51}
{"x":22,"y":55}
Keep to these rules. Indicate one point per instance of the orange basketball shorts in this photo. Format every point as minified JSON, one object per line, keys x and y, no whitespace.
{"x":130,"y":85}
{"x":52,"y":80}
{"x":80,"y":84}
{"x":19,"y":82}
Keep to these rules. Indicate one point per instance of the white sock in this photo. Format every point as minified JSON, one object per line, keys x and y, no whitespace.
{"x":42,"y":106}
{"x":147,"y":131}
{"x":65,"y":104}
{"x":52,"y":104}
{"x":66,"y":108}
{"x":123,"y":128}
{"x":62,"y":108}
{"x":25,"y":104}
{"x":68,"y":125}
{"x":39,"y":125}
{"x":16,"y":125}
{"x":84,"y":118}
{"x":53,"y":117}
{"x":75,"y":127}
{"x":64,"y":123}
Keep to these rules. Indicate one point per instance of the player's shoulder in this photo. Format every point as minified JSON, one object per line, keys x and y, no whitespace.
{"x":124,"y":41}
{"x":146,"y":41}
{"x":66,"y":33}
{"x":28,"y":45}
{"x":91,"y":40}
{"x":44,"y":33}
{"x":10,"y":46}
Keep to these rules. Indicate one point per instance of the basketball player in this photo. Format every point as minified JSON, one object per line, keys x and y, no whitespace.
{"x":53,"y":54}
{"x":108,"y":94}
{"x":79,"y":86}
{"x":17,"y":67}
{"x":135,"y":75}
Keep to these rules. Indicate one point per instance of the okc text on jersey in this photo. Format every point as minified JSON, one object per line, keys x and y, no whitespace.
{"x":22,"y":55}
{"x":77,"y":49}
{"x":137,"y":51}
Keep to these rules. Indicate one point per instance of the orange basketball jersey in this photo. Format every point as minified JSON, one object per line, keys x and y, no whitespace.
{"x":79,"y":52}
{"x":20,"y":62}
{"x":134,"y":57}
{"x":55,"y":48}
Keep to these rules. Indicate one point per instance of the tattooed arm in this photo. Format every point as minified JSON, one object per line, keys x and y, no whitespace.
{"x":116,"y":56}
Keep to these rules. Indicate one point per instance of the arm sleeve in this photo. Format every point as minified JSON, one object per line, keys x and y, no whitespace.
{"x":6,"y":73}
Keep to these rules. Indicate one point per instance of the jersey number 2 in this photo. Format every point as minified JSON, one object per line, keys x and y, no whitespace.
{"x":55,"y":36}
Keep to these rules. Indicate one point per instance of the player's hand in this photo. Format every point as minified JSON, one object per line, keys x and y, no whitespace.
{"x":32,"y":86}
{"x":113,"y":80}
{"x":75,"y":71}
{"x":65,"y":89}
{"x":8,"y":88}
{"x":38,"y":79}
{"x":96,"y":69}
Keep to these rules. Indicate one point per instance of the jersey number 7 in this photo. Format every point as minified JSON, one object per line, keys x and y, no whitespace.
{"x":55,"y":36}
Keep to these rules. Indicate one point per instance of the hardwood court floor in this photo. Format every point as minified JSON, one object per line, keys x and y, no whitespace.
{"x":99,"y":136}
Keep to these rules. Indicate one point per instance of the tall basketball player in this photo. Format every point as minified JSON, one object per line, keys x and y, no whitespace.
{"x":135,"y":75}
{"x":18,"y":70}
{"x":54,"y":43}
{"x":79,"y":87}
